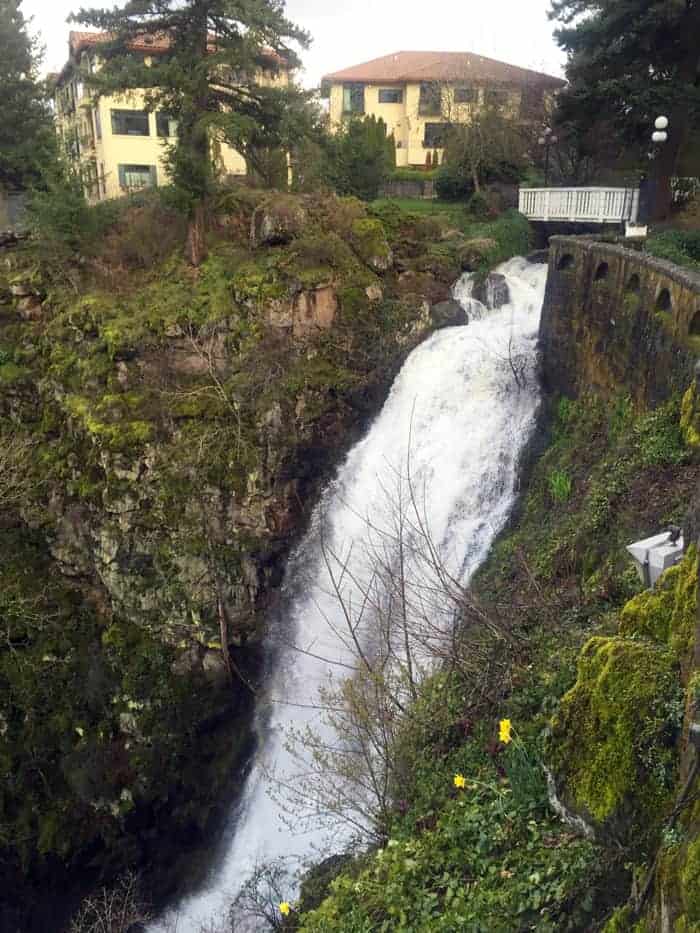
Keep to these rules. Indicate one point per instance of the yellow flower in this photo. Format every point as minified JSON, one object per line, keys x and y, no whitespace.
{"x":460,"y":781}
{"x":285,"y":908}
{"x":504,"y":728}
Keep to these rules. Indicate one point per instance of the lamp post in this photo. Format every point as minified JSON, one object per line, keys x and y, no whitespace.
{"x":547,"y":140}
{"x":661,"y":193}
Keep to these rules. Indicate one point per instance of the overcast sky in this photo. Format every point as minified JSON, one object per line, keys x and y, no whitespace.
{"x":347,"y":32}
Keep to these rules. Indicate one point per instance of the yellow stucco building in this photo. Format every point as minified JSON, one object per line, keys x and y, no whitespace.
{"x":117,"y":145}
{"x":420,"y":94}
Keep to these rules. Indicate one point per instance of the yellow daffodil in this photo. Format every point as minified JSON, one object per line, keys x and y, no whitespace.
{"x":504,"y":729}
{"x":285,"y":908}
{"x":460,"y":781}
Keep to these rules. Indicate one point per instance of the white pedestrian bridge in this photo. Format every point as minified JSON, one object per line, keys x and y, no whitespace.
{"x":580,"y":205}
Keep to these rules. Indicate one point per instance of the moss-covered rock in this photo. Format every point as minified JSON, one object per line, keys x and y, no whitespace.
{"x":370,"y":242}
{"x":278,"y":219}
{"x":612,"y":738}
{"x":473,"y":253}
{"x":690,"y":416}
{"x":667,"y":614}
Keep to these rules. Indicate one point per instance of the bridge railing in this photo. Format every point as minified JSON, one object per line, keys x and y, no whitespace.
{"x":582,"y":205}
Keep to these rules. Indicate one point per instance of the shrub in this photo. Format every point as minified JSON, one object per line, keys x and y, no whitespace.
{"x":679,"y":246}
{"x":478,"y":205}
{"x":453,"y":182}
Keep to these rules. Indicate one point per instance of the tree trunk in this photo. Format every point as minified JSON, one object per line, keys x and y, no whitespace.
{"x":196,"y":245}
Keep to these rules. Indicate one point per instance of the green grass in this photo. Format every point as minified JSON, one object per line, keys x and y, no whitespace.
{"x":424,"y":206}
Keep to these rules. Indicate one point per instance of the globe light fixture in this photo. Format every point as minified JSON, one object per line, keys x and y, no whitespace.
{"x":547,"y":140}
{"x":661,"y":123}
{"x":659,"y":137}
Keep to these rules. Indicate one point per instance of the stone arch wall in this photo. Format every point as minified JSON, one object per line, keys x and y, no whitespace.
{"x":634,"y":329}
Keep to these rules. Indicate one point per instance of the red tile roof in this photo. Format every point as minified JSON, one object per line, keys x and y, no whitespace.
{"x":442,"y":66}
{"x":79,"y":41}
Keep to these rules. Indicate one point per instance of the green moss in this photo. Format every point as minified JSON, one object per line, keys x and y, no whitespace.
{"x":116,"y":434}
{"x":690,"y":882}
{"x":667,"y":613}
{"x":11,"y":373}
{"x":690,"y":417}
{"x":622,"y":921}
{"x":369,"y":239}
{"x":610,"y":738}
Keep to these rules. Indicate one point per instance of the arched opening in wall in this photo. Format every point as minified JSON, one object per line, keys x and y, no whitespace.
{"x":694,"y":329}
{"x":634,"y":284}
{"x":565,"y":262}
{"x":602,"y":272}
{"x":663,"y":301}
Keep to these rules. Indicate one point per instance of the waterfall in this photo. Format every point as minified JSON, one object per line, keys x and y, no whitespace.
{"x":460,"y":412}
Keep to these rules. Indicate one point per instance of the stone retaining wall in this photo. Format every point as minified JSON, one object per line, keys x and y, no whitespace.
{"x":420,"y":188}
{"x":618,"y":321}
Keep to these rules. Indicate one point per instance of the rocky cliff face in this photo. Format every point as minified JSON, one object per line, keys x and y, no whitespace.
{"x":165,"y":434}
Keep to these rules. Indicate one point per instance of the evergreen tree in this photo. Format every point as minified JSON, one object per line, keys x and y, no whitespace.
{"x":27,"y":138}
{"x":629,"y":62}
{"x":362,"y":157}
{"x":206,"y":78}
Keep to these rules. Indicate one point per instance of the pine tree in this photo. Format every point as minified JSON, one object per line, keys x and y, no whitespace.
{"x":27,"y":138}
{"x":629,"y":62}
{"x":206,"y":78}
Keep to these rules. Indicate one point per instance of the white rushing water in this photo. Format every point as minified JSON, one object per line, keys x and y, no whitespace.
{"x":465,"y":402}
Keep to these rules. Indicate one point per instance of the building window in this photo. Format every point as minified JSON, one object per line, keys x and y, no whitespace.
{"x":353,"y":98}
{"x":98,"y":123}
{"x":430,"y":100}
{"x":391,"y":95}
{"x":135,"y":177}
{"x":130,"y":123}
{"x":466,"y":95}
{"x":435,"y":134}
{"x":495,"y":97}
{"x":166,"y":126}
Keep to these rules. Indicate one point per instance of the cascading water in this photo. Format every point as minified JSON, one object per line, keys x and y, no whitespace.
{"x":460,"y":411}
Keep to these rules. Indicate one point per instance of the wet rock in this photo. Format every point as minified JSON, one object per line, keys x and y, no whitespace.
{"x":493,"y":292}
{"x":214,"y":667}
{"x":448,"y":314}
